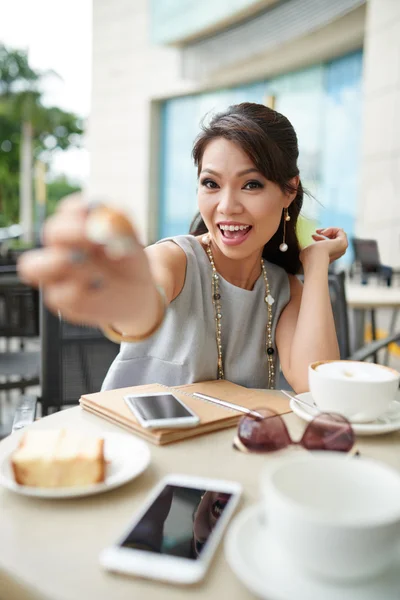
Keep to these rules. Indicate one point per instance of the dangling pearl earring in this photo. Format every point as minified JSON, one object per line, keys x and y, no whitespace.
{"x":206,"y":239}
{"x":286,"y":217}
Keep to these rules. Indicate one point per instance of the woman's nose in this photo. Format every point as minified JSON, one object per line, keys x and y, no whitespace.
{"x":229,"y":203}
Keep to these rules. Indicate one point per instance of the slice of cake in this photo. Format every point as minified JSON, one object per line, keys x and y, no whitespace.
{"x":58,"y":458}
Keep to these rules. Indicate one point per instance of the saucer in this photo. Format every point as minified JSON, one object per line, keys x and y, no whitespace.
{"x":267,"y":572}
{"x":388,"y":422}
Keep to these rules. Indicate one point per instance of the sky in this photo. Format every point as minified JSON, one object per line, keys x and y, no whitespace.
{"x":58,"y":36}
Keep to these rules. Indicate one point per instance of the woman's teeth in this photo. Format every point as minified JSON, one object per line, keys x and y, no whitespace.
{"x":234,"y":227}
{"x":234,"y":231}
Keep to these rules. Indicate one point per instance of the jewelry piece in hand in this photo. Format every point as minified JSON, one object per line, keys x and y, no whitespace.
{"x":96,"y":283}
{"x":77,"y":257}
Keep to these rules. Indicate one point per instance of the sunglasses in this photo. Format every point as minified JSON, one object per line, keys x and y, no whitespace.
{"x":263,"y":430}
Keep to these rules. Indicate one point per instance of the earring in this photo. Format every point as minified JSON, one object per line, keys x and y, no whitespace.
{"x":206,"y":239}
{"x":286,"y":217}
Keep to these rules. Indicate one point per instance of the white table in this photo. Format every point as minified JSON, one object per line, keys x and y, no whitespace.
{"x":49,"y":549}
{"x":369,"y":297}
{"x":362,"y":298}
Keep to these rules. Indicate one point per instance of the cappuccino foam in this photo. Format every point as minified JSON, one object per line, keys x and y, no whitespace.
{"x":357,"y":371}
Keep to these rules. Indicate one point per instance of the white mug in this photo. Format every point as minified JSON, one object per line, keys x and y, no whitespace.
{"x":337,"y":517}
{"x":359,"y":391}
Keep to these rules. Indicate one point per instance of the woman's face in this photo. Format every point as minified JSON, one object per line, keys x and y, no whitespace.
{"x":240,"y":207}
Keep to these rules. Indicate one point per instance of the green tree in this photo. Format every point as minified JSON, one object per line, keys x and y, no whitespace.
{"x":29,"y":130}
{"x":58,"y":188}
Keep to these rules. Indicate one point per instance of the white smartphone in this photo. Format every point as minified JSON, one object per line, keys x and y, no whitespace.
{"x":175,"y":534}
{"x":161,"y":410}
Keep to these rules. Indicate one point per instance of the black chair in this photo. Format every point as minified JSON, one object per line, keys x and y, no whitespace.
{"x":337,"y":292}
{"x":367,"y":259}
{"x":19,"y":320}
{"x":75,"y":360}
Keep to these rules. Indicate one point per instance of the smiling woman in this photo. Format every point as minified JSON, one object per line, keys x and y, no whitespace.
{"x":222,"y":302}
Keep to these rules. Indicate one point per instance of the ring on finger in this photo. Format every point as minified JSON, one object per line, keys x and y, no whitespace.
{"x":96,"y":283}
{"x":78,"y":257}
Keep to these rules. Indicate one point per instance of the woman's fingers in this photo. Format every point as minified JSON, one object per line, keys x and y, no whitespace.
{"x":66,"y":229}
{"x":94,"y":231}
{"x":49,"y":265}
{"x":55,"y":263}
{"x":38,"y":267}
{"x":332,"y":232}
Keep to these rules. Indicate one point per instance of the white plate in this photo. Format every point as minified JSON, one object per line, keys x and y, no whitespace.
{"x":390,"y":421}
{"x":267,"y":572}
{"x":126,"y":456}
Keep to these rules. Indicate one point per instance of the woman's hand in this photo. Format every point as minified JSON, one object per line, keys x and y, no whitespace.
{"x":82,"y":281}
{"x":331,"y":243}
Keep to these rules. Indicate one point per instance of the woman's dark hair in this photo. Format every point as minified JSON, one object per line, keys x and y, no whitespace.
{"x":269,"y":140}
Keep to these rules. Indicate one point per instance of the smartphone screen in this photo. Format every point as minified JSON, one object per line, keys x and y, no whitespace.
{"x":179,"y":522}
{"x":164,"y":406}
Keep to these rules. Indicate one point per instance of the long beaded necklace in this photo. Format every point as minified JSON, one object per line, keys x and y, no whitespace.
{"x":216,"y":298}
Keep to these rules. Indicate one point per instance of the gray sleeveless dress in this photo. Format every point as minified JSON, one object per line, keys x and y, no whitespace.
{"x":184,"y":349}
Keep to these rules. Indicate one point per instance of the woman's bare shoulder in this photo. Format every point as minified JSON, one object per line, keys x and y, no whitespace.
{"x":167,"y":253}
{"x":168,"y":264}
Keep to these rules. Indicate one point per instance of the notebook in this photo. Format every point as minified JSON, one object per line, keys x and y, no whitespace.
{"x":110,"y":405}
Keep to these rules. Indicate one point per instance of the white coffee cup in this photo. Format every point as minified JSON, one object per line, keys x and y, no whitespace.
{"x":334,"y":516}
{"x":359,"y":391}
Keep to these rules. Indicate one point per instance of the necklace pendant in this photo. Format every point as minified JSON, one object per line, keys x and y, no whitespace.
{"x":269,"y":299}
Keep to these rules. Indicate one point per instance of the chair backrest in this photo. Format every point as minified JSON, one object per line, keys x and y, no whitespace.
{"x":19,"y":308}
{"x":75,"y":360}
{"x":366,"y":253}
{"x":337,"y":292}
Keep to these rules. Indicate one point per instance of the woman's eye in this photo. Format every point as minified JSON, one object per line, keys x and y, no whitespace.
{"x":253,"y":185}
{"x":210,"y":184}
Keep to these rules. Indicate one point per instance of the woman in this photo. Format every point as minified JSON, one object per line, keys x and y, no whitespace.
{"x":224,"y":303}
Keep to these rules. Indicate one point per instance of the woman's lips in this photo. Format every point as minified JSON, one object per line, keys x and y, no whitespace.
{"x":234,"y":238}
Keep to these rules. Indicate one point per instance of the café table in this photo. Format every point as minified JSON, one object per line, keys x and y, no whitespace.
{"x":370,"y":297}
{"x":49,"y":549}
{"x":363,"y":298}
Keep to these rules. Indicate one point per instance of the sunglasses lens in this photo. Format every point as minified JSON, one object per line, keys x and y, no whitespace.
{"x":329,"y":431}
{"x":264,"y":434}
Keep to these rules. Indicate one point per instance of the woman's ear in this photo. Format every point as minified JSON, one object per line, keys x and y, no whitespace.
{"x":291,"y":194}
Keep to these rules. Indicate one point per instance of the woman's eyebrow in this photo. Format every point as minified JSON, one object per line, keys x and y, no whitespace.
{"x":239,"y":174}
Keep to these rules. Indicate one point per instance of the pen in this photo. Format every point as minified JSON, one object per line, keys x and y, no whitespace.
{"x":226,"y":404}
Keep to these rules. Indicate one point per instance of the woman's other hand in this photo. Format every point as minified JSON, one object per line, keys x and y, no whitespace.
{"x":330,"y":243}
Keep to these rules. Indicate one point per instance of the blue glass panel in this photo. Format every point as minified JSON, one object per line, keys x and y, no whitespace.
{"x":341,"y":143}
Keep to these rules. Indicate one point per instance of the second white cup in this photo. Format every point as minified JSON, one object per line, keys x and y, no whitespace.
{"x":336,"y":517}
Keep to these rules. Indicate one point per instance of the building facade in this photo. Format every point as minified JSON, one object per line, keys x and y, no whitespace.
{"x":159,"y":66}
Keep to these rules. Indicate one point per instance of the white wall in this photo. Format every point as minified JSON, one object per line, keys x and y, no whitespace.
{"x":127,"y":72}
{"x":379,"y":202}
